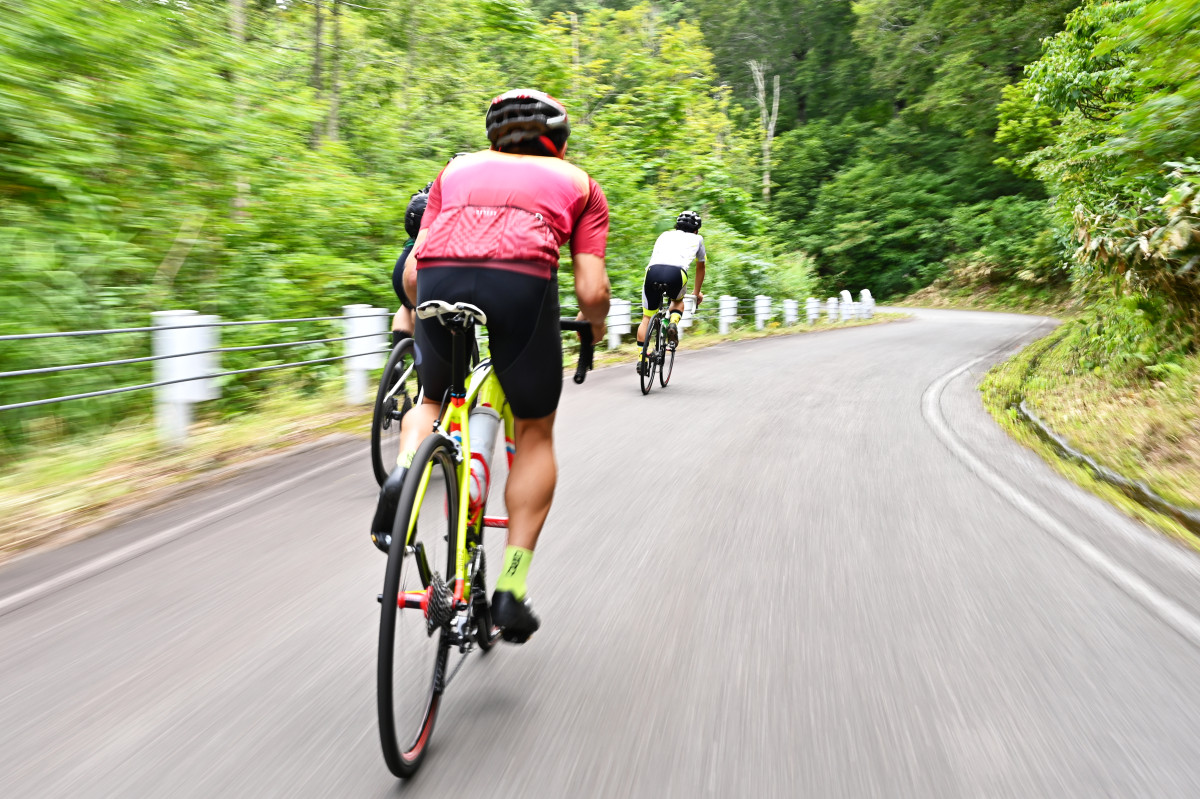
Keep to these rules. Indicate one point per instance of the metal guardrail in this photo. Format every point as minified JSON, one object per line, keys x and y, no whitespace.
{"x":185,"y":359}
{"x":185,"y":352}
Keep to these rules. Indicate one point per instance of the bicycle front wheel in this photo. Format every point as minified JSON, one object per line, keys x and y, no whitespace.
{"x":649,"y":348}
{"x":666,"y":363}
{"x":411,"y":669}
{"x":397,"y":393}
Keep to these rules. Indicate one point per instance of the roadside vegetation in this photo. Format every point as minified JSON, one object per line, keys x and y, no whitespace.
{"x":253,"y":159}
{"x":1146,"y":431}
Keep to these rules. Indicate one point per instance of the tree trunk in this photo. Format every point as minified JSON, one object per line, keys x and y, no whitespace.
{"x":316,"y":80}
{"x":331,"y":128}
{"x":575,"y":56}
{"x":767,"y":119}
{"x":237,"y":29}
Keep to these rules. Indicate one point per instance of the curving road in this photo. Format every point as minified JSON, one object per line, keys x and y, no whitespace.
{"x":813,"y":566}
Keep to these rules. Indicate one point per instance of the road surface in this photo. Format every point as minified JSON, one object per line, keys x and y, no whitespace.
{"x":812,"y":566}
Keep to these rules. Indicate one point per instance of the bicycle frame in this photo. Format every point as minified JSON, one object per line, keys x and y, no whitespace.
{"x":484,"y":387}
{"x":481,"y":387}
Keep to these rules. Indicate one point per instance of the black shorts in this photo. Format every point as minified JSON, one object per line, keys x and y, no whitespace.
{"x":398,"y":278}
{"x":523,"y":333}
{"x":672,"y":277}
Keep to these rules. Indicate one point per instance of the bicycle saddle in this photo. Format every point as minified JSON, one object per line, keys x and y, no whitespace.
{"x":458,"y":314}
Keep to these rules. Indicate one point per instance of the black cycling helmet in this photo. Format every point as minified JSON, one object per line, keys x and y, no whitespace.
{"x":689,"y":222}
{"x":524,"y":115}
{"x":416,"y":210}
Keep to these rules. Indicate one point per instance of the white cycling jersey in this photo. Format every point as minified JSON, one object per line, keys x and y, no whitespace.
{"x":677,"y":248}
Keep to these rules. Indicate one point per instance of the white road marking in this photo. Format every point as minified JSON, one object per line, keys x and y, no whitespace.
{"x":135,"y":549}
{"x":1175,"y":615}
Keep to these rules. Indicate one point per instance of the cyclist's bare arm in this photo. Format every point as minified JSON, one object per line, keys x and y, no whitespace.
{"x":410,"y":267}
{"x":592,"y":290}
{"x":699,"y":282}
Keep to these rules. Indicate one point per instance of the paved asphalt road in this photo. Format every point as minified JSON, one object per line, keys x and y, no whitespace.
{"x":812,"y":566}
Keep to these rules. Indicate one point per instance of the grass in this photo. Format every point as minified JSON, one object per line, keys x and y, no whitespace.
{"x":63,"y":490}
{"x":1008,"y":298}
{"x":1143,"y":430}
{"x":69,"y":489}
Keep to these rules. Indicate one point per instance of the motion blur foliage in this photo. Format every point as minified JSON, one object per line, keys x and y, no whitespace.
{"x":254,"y":161}
{"x":1106,"y":118}
{"x":888,"y":115}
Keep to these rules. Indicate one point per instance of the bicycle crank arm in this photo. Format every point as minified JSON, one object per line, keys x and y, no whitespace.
{"x":419,"y":600}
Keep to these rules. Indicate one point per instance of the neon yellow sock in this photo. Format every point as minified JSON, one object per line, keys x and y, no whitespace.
{"x":516,"y":569}
{"x":675,"y":317}
{"x":405,"y":459}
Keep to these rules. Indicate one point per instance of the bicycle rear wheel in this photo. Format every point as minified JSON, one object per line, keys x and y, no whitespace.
{"x":666,"y":362}
{"x":408,"y":690}
{"x":649,"y":347}
{"x":397,"y":393}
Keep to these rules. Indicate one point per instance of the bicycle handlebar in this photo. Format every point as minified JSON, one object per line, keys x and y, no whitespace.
{"x":586,"y":345}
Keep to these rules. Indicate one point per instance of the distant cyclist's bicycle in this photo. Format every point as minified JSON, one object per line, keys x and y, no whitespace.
{"x":434,"y":596}
{"x":657,"y":353}
{"x":399,"y":390}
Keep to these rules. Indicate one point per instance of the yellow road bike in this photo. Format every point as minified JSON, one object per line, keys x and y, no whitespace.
{"x":435,"y":597}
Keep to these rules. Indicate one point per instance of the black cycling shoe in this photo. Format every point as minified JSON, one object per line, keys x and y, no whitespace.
{"x":385,"y":508}
{"x":514,"y":617}
{"x":673,"y":335}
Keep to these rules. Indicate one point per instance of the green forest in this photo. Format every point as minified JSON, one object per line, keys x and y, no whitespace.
{"x":253,"y":158}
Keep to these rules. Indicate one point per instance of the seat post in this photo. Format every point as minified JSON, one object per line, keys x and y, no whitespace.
{"x":458,"y":361}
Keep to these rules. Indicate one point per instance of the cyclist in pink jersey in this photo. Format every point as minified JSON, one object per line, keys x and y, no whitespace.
{"x":490,"y":236}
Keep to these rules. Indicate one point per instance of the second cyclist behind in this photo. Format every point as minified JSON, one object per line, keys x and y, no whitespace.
{"x":673,"y":255}
{"x":402,"y":322}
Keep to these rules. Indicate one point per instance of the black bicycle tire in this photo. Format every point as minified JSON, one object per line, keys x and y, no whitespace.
{"x":667,"y":364}
{"x":402,"y":763}
{"x":647,"y":373}
{"x":378,"y":466}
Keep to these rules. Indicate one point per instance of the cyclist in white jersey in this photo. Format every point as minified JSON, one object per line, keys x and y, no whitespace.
{"x":673,"y":254}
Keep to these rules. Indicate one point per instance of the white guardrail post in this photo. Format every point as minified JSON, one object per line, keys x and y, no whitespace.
{"x":847,"y":306}
{"x":812,"y":308}
{"x":689,"y":310}
{"x":173,"y":403}
{"x":366,"y":353}
{"x":620,"y":321}
{"x":791,"y":312}
{"x":728,"y":313}
{"x":831,"y":309}
{"x":762,"y":311}
{"x":868,"y":303}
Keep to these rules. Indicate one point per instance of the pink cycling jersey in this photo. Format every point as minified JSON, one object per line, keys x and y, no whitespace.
{"x":511,"y":212}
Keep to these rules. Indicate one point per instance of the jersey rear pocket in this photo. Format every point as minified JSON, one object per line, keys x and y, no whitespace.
{"x":501,"y":232}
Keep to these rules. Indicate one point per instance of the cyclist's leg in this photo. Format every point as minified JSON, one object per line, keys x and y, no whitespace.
{"x":433,"y":345}
{"x":676,"y":289}
{"x":675,"y":280}
{"x":649,"y":306}
{"x":526,"y":347}
{"x":402,"y":324}
{"x":531,"y":483}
